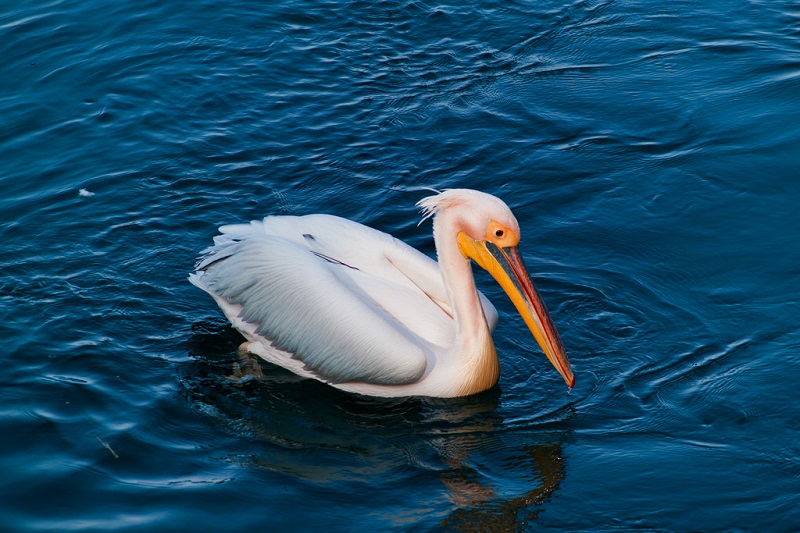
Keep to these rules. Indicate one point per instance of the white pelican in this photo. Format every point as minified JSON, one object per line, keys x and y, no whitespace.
{"x":351,"y":306}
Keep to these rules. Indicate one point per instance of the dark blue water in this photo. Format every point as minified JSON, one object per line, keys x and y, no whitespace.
{"x":650,"y":151}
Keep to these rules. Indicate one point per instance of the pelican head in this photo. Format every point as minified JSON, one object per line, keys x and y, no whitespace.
{"x":488,"y":233}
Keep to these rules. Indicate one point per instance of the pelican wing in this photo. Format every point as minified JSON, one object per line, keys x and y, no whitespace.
{"x":380,"y":256}
{"x":350,"y":302}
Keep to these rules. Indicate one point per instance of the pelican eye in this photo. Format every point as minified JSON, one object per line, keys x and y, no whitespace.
{"x":498,"y":233}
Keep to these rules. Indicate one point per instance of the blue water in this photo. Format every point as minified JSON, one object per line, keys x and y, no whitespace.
{"x":650,"y":151}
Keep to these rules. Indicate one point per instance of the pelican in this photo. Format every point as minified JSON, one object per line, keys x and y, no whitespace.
{"x":333,"y":300}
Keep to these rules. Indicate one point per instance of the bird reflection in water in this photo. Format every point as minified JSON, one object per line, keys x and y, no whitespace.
{"x":480,"y":508}
{"x":496,"y":478}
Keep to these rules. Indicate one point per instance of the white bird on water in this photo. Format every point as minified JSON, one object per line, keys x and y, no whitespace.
{"x":331,"y":299}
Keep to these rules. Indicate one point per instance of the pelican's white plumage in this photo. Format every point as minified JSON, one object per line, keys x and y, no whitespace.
{"x":334,"y":300}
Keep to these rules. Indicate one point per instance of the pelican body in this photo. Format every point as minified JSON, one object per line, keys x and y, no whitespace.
{"x":333,"y":300}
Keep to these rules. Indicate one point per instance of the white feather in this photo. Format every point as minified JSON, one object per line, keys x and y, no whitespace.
{"x":337,"y":301}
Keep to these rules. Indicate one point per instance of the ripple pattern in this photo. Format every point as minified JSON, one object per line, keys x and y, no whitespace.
{"x":648,"y":151}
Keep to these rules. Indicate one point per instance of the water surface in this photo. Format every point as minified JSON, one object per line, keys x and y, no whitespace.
{"x":649,"y":151}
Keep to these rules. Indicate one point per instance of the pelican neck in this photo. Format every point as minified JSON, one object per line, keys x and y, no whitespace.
{"x":459,"y":282}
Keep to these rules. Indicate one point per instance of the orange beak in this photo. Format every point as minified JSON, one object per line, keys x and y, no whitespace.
{"x":506,"y":266}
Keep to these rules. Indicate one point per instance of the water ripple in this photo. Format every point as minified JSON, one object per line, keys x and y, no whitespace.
{"x":648,"y":152}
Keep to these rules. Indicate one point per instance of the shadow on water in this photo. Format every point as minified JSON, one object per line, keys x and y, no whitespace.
{"x":468,"y":468}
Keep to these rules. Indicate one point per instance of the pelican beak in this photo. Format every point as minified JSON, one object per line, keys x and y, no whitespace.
{"x":506,"y":266}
